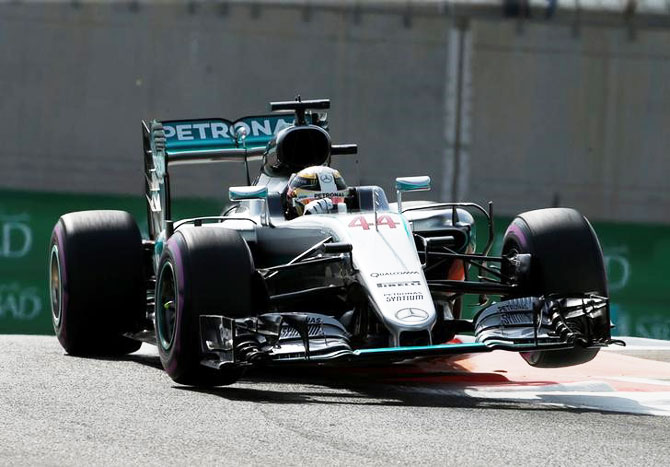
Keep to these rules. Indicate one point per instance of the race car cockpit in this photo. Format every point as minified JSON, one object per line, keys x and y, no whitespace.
{"x":315,"y":190}
{"x":322,"y":190}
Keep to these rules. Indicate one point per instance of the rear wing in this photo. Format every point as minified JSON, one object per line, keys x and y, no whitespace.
{"x":178,"y":142}
{"x":188,"y":140}
{"x":290,"y":137}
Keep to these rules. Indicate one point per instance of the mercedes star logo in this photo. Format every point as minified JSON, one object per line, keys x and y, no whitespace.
{"x":411,"y":315}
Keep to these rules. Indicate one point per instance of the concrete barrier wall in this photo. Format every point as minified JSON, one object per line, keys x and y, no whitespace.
{"x":546,"y":116}
{"x":579,"y":120}
{"x":543,"y":116}
{"x":77,"y":81}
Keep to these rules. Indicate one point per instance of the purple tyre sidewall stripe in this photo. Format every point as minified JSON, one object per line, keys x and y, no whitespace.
{"x":175,"y":252}
{"x":58,"y":233}
{"x":518,"y":233}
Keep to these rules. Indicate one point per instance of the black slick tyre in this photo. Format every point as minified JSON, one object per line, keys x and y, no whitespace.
{"x":96,"y":282}
{"x":203,"y":270}
{"x":565,"y":259}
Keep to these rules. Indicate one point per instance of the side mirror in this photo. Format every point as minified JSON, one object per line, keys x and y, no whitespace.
{"x":407,"y":184}
{"x":240,"y":193}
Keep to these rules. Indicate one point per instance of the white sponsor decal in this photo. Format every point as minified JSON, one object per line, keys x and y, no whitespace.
{"x":399,"y":273}
{"x":223,"y":130}
{"x":403,"y":296}
{"x":617,"y":267}
{"x":654,"y":326}
{"x":398,"y":284}
{"x":411,"y":315}
{"x":16,"y":236}
{"x":19,"y":303}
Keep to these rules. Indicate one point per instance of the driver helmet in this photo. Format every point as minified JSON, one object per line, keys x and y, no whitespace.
{"x":315,"y":183}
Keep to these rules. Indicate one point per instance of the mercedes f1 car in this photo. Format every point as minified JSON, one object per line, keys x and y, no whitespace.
{"x":302,"y":268}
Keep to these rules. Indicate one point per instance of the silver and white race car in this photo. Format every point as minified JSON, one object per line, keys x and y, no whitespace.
{"x":304,"y":269}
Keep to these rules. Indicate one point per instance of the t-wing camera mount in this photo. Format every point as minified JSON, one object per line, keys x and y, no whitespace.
{"x":300,"y":107}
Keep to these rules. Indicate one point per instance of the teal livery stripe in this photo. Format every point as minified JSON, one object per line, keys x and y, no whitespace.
{"x":218,"y":134}
{"x":437,"y":349}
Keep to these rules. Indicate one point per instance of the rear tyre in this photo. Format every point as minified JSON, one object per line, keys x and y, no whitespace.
{"x":96,"y":282}
{"x":203,"y":270}
{"x":565,"y":259}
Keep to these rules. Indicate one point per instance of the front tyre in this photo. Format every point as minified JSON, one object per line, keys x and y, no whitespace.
{"x":565,"y":259}
{"x":96,"y":282}
{"x":203,"y":271}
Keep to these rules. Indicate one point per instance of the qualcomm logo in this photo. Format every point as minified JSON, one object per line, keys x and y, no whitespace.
{"x":412,"y":315}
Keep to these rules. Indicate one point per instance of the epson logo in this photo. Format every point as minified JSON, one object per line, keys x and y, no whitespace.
{"x":223,"y":130}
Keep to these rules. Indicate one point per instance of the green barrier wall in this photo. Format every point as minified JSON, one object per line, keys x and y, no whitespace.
{"x":636,"y":257}
{"x":26,"y":220}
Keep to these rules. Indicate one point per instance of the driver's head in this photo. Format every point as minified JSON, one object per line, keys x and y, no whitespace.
{"x":314,"y":183}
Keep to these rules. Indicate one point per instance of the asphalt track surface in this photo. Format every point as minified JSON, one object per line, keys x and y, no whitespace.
{"x":62,"y":410}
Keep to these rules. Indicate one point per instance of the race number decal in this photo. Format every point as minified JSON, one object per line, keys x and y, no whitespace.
{"x":386,"y":220}
{"x":359,"y":221}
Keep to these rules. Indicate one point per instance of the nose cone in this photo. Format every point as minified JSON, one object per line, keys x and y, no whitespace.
{"x":412,"y":316}
{"x":411,"y":319}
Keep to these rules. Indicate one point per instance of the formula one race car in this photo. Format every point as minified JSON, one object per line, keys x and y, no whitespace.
{"x":305,"y":269}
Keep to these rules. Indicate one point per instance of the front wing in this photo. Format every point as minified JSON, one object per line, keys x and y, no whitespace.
{"x":518,"y":325}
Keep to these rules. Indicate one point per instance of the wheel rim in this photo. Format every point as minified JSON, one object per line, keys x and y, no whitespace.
{"x":166,"y":306}
{"x":504,"y":269}
{"x":55,"y":286}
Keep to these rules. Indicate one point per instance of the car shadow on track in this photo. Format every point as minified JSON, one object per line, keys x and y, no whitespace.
{"x":141,"y":358}
{"x":408,"y":384}
{"x":364,"y":387}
